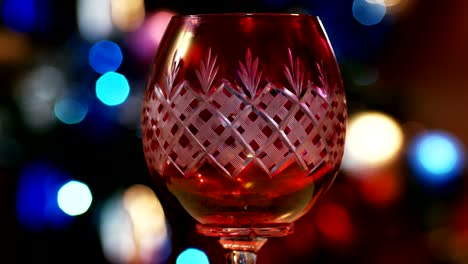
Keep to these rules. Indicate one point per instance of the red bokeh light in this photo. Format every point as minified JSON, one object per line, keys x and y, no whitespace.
{"x":334,"y":223}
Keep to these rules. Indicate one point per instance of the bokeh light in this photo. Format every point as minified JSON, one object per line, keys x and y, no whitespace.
{"x":192,"y":256}
{"x":74,"y":198}
{"x":118,"y":247}
{"x":373,"y":139}
{"x":397,"y":8}
{"x":393,"y":2}
{"x":334,"y":223}
{"x":112,"y":88}
{"x":94,"y":19}
{"x":15,"y":47}
{"x":144,"y":42}
{"x":368,"y":12}
{"x":70,"y":111}
{"x":25,"y":15}
{"x":143,"y":235}
{"x":436,"y":157}
{"x":36,"y":93}
{"x":382,"y":188}
{"x":127,"y":15}
{"x":149,"y":222}
{"x":36,"y":197}
{"x":105,"y":56}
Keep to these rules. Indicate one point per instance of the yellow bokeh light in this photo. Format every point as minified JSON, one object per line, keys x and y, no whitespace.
{"x":145,"y":210}
{"x":373,"y":139}
{"x":386,"y":3}
{"x":148,"y":220}
{"x":127,"y":15}
{"x":389,"y":3}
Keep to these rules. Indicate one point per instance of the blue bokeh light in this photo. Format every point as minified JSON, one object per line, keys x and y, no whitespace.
{"x":19,"y":15}
{"x":105,"y":56}
{"x":192,"y":256}
{"x":70,"y":111}
{"x":368,"y":13}
{"x":436,"y":157}
{"x":36,"y":197}
{"x":112,"y":88}
{"x":350,"y":40}
{"x":26,"y":16}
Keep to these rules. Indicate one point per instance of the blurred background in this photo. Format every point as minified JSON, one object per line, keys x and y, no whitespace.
{"x":74,"y":186}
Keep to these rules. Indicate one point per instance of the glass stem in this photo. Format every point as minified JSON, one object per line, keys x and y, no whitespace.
{"x":242,"y":250}
{"x":241,"y":257}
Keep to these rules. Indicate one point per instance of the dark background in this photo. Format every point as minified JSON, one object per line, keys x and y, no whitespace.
{"x":420,"y":53}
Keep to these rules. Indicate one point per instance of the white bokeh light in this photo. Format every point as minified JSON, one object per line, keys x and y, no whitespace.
{"x":36,"y":93}
{"x":373,"y":139}
{"x":74,"y":198}
{"x":94,"y":19}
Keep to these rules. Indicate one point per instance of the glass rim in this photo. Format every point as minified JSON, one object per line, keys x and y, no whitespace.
{"x":245,"y":14}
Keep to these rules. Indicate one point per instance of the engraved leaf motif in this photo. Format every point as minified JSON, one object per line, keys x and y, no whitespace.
{"x":171,"y":73}
{"x":249,"y":74}
{"x":322,"y":88}
{"x":207,"y":71}
{"x":295,"y":73}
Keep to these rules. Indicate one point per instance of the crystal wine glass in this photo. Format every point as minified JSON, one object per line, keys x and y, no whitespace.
{"x":244,"y":119}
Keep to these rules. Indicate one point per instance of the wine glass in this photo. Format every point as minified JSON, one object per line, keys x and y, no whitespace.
{"x":244,"y":119}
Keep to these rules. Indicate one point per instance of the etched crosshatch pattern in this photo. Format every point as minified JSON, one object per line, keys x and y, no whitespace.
{"x":274,"y":103}
{"x":219,"y":99}
{"x":275,"y":154}
{"x":184,"y":103}
{"x":335,"y":129}
{"x":230,"y":154}
{"x":314,"y":103}
{"x":185,"y":152}
{"x":206,"y":126}
{"x":298,"y":126}
{"x":270,"y":126}
{"x":254,"y":129}
{"x":312,"y":152}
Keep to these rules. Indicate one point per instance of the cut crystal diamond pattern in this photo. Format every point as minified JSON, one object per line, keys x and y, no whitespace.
{"x":270,"y":153}
{"x":316,"y":105}
{"x":228,"y":110}
{"x":271,"y":126}
{"x":298,"y":126}
{"x":255,"y":129}
{"x":275,"y":104}
{"x":185,"y":103}
{"x":334,"y":134}
{"x":185,"y":152}
{"x":156,"y":154}
{"x":310,"y":153}
{"x":230,"y":153}
{"x":205,"y":126}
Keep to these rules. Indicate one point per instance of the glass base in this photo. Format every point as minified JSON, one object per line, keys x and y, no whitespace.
{"x":242,"y":243}
{"x":273,"y":231}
